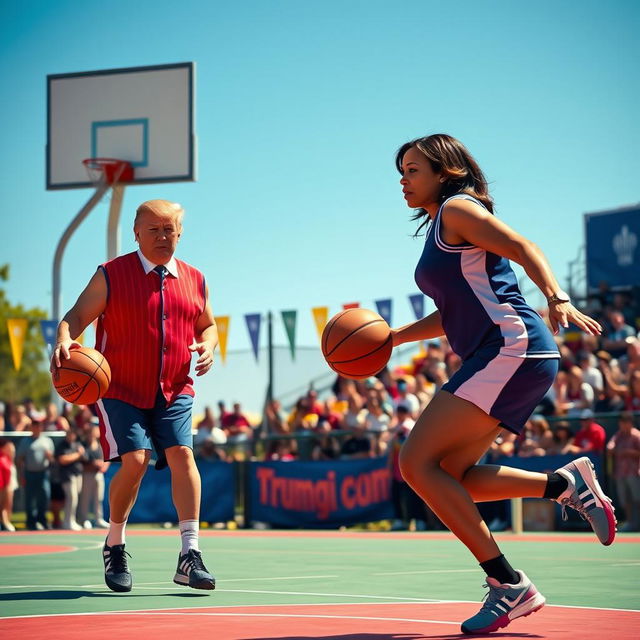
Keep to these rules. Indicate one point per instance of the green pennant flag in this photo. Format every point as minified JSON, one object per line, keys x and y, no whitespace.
{"x":289,"y":319}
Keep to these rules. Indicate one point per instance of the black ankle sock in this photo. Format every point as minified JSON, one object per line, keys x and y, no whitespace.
{"x":501,"y":570}
{"x":556,"y":485}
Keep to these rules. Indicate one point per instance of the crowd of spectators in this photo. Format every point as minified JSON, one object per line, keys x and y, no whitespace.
{"x":361,"y":419}
{"x":64,"y":477}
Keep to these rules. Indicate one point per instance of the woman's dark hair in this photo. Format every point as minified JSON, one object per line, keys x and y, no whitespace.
{"x":460,"y":170}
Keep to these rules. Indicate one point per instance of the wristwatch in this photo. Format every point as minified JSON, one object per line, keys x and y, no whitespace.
{"x":559,"y":296}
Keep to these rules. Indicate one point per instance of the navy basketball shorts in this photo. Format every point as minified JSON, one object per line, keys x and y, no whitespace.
{"x":125,"y":428}
{"x":507,"y":388}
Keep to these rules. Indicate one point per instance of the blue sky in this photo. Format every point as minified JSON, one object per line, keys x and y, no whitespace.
{"x":300,"y":107}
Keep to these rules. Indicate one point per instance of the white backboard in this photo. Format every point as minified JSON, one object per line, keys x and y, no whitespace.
{"x":141,"y":114}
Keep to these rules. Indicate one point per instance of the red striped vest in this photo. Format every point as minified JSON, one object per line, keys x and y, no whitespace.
{"x":147,"y":351}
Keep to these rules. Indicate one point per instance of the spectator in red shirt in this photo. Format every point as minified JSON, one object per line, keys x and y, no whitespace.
{"x":237,"y":426}
{"x":7,"y":483}
{"x":591,"y":435}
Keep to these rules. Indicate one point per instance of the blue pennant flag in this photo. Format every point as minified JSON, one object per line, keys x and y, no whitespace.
{"x":384,"y":308}
{"x":253,"y":325}
{"x":417,"y":303}
{"x":49,"y":328}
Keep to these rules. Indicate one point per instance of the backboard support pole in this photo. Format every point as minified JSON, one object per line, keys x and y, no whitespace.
{"x":101,"y":189}
{"x":113,"y":225}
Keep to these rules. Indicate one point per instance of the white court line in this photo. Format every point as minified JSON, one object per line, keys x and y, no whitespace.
{"x":406,"y":573}
{"x":277,"y":578}
{"x":625,"y":564}
{"x":180,"y":610}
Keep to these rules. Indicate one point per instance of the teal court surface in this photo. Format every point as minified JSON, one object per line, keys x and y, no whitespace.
{"x":286,"y":585}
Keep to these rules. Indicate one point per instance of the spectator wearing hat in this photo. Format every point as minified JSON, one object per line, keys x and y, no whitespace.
{"x":92,"y":484}
{"x":624,"y":447}
{"x":591,"y":436}
{"x":34,"y":457}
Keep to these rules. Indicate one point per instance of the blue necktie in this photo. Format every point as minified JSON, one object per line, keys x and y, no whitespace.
{"x":161,"y":270}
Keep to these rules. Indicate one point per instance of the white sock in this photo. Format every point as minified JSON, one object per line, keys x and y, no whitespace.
{"x":116,"y":533}
{"x":189,"y":534}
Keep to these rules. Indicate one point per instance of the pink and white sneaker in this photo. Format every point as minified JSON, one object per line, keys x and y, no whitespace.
{"x":586,"y":496}
{"x":504,"y":603}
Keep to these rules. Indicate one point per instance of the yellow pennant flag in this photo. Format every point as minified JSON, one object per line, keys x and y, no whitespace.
{"x":80,"y":339}
{"x":17,"y":334}
{"x":222,"y":322}
{"x":320,"y":315}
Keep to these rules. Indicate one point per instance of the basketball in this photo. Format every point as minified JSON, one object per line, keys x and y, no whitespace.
{"x":357,"y":343}
{"x":84,"y":377}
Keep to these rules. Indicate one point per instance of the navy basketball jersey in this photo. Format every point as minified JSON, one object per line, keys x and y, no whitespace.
{"x":477,"y":294}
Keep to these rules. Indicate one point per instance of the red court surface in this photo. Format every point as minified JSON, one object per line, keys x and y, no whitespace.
{"x":329,"y":622}
{"x":32,"y":549}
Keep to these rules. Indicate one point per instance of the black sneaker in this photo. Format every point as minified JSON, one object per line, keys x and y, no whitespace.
{"x":191,"y":571}
{"x":116,"y":573}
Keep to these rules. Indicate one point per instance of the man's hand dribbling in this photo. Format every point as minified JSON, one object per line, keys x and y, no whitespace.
{"x":205,"y":361}
{"x":61,"y":349}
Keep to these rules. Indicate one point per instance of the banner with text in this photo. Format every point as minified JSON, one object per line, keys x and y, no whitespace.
{"x":320,"y":494}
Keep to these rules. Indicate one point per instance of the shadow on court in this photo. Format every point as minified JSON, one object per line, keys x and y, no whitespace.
{"x":76,"y":595}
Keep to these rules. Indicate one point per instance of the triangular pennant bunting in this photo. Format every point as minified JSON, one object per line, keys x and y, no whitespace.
{"x":253,"y":325}
{"x":417,"y":304}
{"x":49,"y":328}
{"x":320,"y":317}
{"x":350,"y":305}
{"x":384,"y":309}
{"x":222,"y":322}
{"x":17,"y":334}
{"x":289,"y":319}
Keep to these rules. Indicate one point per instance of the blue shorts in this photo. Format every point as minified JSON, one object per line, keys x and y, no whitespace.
{"x":125,"y":428}
{"x":505,"y":387}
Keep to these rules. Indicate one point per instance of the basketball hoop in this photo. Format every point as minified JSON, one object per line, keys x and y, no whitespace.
{"x":108,"y":170}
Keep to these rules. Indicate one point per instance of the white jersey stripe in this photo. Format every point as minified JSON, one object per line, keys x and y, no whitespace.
{"x":108,"y":432}
{"x":484,"y":387}
{"x":512,"y":327}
